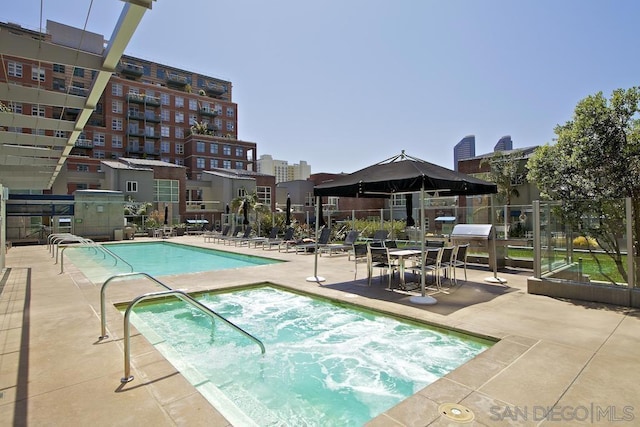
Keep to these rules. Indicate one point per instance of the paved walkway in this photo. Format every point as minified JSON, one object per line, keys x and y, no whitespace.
{"x":556,"y":362}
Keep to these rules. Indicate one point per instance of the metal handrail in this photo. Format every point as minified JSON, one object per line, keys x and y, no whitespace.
{"x":71,"y":239}
{"x":184,"y":297}
{"x":94,"y":245}
{"x":103,"y":292}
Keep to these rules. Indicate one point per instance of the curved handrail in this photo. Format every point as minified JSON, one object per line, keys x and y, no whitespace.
{"x":95,"y":246}
{"x":184,"y":297}
{"x":103,"y":293}
{"x":53,"y":236}
{"x":70,"y":239}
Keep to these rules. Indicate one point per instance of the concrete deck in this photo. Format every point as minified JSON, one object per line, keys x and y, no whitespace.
{"x":580,"y":361}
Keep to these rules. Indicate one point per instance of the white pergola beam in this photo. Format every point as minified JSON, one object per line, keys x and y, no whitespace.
{"x":34,"y":95}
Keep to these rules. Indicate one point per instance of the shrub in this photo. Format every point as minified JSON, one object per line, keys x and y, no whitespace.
{"x":584,"y":242}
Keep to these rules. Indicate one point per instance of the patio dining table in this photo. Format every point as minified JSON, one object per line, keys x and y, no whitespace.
{"x":402,"y":255}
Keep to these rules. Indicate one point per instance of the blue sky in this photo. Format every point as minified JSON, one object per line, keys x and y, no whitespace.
{"x":343,"y":84}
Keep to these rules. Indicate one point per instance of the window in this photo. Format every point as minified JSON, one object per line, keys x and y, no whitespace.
{"x":242,"y":192}
{"x":116,"y":141}
{"x":239,"y":165}
{"x":165,"y":147}
{"x":164,"y":115}
{"x":333,"y":201}
{"x":164,"y":98}
{"x":78,"y":72}
{"x":116,"y":124}
{"x":179,"y":161}
{"x":146,"y":70}
{"x":164,"y":131}
{"x":58,"y":68}
{"x":160,"y":73}
{"x":37,"y":110}
{"x":15,"y":107}
{"x":200,"y":147}
{"x":58,"y":84}
{"x":14,"y":69}
{"x":179,"y":118}
{"x":60,"y":134}
{"x":193,"y":118}
{"x":166,"y":190}
{"x":116,"y":107}
{"x":200,"y":163}
{"x":98,"y":154}
{"x":193,"y":104}
{"x":179,"y":101}
{"x":179,"y":148}
{"x":239,"y":152}
{"x":41,"y":132}
{"x":37,"y":74}
{"x":179,"y":133}
{"x":226,"y":150}
{"x":98,"y":139}
{"x":230,"y":112}
{"x":116,"y":89}
{"x":132,"y":186}
{"x":213,"y":163}
{"x":264,"y":195}
{"x":226,"y":164}
{"x":213,"y":149}
{"x":230,"y":126}
{"x":82,"y":168}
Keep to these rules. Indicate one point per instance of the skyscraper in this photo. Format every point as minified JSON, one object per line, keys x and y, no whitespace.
{"x":464,"y":149}
{"x":504,"y":144}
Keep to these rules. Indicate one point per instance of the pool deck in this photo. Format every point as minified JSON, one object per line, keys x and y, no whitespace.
{"x":581,"y":359}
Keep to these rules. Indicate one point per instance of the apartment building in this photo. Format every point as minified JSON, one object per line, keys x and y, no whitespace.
{"x":148,"y":111}
{"x":282,"y":170}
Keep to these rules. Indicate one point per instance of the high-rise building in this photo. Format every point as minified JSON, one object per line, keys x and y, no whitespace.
{"x":282,"y":170}
{"x":464,"y":149}
{"x":504,"y":144}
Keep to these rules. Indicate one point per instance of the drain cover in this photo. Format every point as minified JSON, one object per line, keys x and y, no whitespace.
{"x":456,"y":412}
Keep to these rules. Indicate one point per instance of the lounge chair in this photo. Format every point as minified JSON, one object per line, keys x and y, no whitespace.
{"x":274,"y":240}
{"x":286,"y":241}
{"x":323,"y":240}
{"x":213,"y":235}
{"x":242,"y":238}
{"x":351,"y":238}
{"x":231,"y":235}
{"x":257,"y":240}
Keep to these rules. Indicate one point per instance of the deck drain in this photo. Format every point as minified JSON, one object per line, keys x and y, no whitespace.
{"x":456,"y":412}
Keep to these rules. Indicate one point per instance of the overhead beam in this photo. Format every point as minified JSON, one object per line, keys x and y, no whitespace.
{"x":28,"y":151}
{"x":34,"y":95}
{"x":27,"y":139}
{"x":35,"y":122}
{"x":29,"y":48}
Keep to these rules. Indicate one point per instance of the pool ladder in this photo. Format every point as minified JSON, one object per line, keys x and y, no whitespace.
{"x":166,"y":293}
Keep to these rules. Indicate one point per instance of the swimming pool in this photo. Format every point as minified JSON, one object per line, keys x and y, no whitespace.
{"x":325,"y":364}
{"x":158,"y":259}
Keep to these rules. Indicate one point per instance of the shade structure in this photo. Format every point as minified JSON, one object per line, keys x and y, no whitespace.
{"x":409,"y":206}
{"x":288,"y":220}
{"x":404,"y":174}
{"x":166,"y":214}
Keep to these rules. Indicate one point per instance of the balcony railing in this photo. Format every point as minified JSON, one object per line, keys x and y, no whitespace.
{"x":146,"y":116}
{"x":131,"y":69}
{"x":205,"y":111}
{"x":177,"y":79}
{"x":79,"y":91}
{"x":215,"y":89}
{"x":83,"y":143}
{"x":143,"y":99}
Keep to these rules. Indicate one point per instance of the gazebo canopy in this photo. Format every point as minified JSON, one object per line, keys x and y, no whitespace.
{"x":404,"y":174}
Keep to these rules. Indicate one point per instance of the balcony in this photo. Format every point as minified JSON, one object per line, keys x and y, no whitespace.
{"x":135,"y":132}
{"x":135,"y":115}
{"x":78,"y":91}
{"x":131,"y":69}
{"x":83,"y":143}
{"x":177,"y":80}
{"x":152,"y":135}
{"x":132,"y":149}
{"x":151,"y":117}
{"x":143,"y":99}
{"x":215,"y":89}
{"x":206,"y":111}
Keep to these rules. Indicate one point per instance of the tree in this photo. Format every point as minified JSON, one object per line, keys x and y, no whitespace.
{"x":593,"y":165}
{"x":506,"y":172}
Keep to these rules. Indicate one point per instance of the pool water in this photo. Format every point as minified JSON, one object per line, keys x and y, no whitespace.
{"x":158,"y":259}
{"x":325,"y":364}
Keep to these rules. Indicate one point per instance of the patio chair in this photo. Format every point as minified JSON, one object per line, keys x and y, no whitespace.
{"x":360,"y":253}
{"x":459,"y":259}
{"x":432,"y":261}
{"x":351,"y":238}
{"x":287,"y":240}
{"x":273,"y":235}
{"x":378,"y":257}
{"x":380,"y":236}
{"x":323,"y":240}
